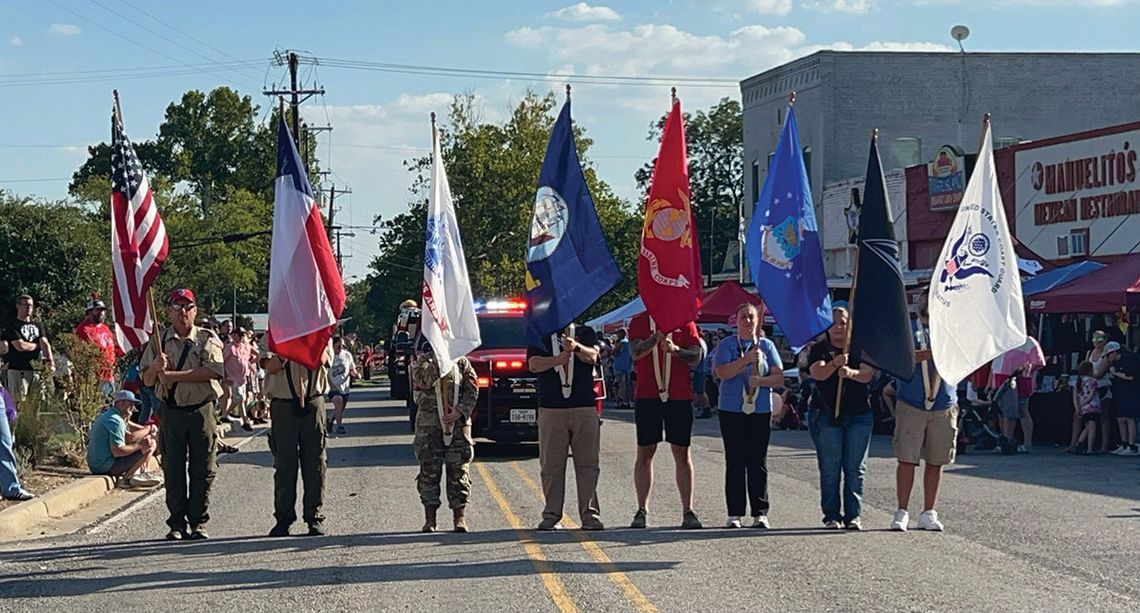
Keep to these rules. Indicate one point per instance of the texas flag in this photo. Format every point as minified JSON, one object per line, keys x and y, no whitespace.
{"x":669,"y":269}
{"x":306,"y":293}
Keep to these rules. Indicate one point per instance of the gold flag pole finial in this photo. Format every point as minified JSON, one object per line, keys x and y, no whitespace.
{"x":874,"y":135}
{"x":792,"y":98}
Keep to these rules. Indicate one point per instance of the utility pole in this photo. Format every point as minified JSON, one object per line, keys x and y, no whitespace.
{"x":331,"y":227}
{"x":293,"y":60}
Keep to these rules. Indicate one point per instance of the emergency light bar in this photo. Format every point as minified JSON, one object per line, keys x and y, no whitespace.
{"x":500,"y":306}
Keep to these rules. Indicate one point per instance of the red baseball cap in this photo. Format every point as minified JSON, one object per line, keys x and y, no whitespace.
{"x":181,"y":295}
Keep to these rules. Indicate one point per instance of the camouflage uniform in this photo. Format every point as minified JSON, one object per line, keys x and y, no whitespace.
{"x":429,"y":447}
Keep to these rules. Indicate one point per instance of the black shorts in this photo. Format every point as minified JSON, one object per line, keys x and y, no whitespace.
{"x":1090,"y":417}
{"x":675,"y":417}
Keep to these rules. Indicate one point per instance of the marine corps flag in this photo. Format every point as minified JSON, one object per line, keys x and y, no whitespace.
{"x":976,"y":308}
{"x":568,"y":263}
{"x":669,"y":269}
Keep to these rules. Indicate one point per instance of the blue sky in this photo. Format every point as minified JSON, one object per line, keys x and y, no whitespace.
{"x":381,"y":119}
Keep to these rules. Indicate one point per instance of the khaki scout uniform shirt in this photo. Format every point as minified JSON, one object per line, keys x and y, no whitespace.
{"x":277,"y":384}
{"x":205,"y":352}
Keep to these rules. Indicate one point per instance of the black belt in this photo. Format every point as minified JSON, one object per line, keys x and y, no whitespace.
{"x":298,"y":400}
{"x":189,"y":408}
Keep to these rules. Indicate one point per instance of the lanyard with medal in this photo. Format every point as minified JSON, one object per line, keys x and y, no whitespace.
{"x":440,"y":390}
{"x":749,"y":406}
{"x":565,"y":373}
{"x":661,"y":378}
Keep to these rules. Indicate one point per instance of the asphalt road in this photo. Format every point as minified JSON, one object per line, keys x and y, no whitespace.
{"x":1040,"y":532}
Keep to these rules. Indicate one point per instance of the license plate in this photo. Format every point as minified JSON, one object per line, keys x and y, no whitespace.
{"x":525,"y":389}
{"x":522,"y":416}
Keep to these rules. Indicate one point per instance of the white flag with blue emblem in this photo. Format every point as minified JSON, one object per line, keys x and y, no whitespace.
{"x":449,"y":322}
{"x":976,"y":309}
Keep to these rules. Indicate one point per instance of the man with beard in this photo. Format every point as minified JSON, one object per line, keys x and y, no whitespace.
{"x":94,"y":330}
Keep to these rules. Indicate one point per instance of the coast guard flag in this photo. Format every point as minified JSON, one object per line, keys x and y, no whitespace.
{"x":879,"y":315}
{"x":976,"y":309}
{"x":783,"y":246}
{"x":449,"y":322}
{"x":306,"y":293}
{"x":568,"y":263}
{"x":669,"y":269}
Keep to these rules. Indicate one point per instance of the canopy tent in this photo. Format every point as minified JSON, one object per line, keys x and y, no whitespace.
{"x":1102,"y":291}
{"x":1058,"y":277}
{"x":618,"y":316}
{"x":720,"y":304}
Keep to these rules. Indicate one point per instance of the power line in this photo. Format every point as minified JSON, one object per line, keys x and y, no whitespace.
{"x":446,"y":71}
{"x":150,"y":31}
{"x":47,"y":180}
{"x":129,"y":39}
{"x":25,"y":82}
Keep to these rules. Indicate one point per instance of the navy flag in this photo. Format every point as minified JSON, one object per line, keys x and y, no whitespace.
{"x":881,"y":331}
{"x":783,"y":245}
{"x":568,"y":262}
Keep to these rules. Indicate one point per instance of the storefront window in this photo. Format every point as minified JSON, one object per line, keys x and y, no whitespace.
{"x":906,"y":151}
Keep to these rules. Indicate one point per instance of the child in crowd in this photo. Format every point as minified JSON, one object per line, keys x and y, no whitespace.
{"x":1087,"y":404}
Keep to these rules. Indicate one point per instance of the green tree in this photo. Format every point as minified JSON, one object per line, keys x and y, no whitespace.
{"x":715,"y":140}
{"x":57,"y":252}
{"x":492,"y":171}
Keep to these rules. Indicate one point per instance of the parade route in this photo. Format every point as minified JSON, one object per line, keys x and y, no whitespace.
{"x":1039,"y":532}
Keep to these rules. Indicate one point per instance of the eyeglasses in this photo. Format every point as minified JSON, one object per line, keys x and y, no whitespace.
{"x":189,"y":306}
{"x":26,"y":303}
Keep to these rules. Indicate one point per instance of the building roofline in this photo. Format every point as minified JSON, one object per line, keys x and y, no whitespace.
{"x":1075,"y":136}
{"x":792,"y":64}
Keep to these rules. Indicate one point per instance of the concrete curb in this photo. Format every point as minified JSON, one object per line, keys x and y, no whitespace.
{"x":60,"y":502}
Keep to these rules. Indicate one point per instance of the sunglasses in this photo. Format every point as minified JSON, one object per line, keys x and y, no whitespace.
{"x":190,"y":306}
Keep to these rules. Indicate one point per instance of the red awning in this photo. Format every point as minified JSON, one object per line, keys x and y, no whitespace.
{"x":1103,"y":291}
{"x":721,"y":303}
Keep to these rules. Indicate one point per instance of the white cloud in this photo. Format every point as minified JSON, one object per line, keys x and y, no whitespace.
{"x":854,"y":7}
{"x":768,"y":7}
{"x":16,"y":41}
{"x":64,"y":29}
{"x":585,"y":12}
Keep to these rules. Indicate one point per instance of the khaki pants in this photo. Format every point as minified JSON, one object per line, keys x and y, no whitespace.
{"x":19,"y":384}
{"x":560,"y":431}
{"x":297,"y":440}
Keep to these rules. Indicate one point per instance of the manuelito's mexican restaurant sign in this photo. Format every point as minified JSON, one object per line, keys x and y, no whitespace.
{"x":1085,"y":184}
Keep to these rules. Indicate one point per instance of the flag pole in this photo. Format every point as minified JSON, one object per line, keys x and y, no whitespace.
{"x":854,"y":287}
{"x":568,"y":92}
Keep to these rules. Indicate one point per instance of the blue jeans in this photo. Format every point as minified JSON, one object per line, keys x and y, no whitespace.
{"x":9,"y":484}
{"x":840,"y":448}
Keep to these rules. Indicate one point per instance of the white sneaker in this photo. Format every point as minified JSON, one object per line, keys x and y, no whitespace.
{"x":145,"y":479}
{"x":1120,"y":450}
{"x":831,"y":524}
{"x":733,"y":522}
{"x":760,"y":521}
{"x":901,"y":521}
{"x":929,"y":521}
{"x":1130,"y":451}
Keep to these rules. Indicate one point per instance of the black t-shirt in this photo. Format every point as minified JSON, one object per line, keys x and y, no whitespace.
{"x":855,"y":398}
{"x":30,"y":331}
{"x":582,"y":385}
{"x":1128,"y":364}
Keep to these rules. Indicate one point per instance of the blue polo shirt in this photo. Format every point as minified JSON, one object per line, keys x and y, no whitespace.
{"x":732,"y":389}
{"x":623,"y":360}
{"x":913,"y":392}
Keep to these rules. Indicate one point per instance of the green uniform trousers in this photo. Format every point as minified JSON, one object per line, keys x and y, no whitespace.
{"x":188,"y":435}
{"x":297,"y":440}
{"x":435,"y":459}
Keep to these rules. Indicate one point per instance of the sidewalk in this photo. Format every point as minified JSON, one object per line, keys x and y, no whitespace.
{"x":62,"y":501}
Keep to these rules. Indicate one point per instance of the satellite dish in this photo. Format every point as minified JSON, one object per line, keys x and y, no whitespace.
{"x":960,"y":33}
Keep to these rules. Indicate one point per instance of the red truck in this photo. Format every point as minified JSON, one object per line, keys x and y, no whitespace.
{"x":507,"y":408}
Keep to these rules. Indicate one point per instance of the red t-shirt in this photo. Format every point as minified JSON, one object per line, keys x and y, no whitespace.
{"x":680,"y":388}
{"x":102,"y":337}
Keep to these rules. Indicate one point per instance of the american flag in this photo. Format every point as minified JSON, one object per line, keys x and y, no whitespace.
{"x":138,"y":241}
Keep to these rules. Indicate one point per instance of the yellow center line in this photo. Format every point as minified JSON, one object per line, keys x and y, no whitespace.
{"x":623,"y":582}
{"x":550,"y":580}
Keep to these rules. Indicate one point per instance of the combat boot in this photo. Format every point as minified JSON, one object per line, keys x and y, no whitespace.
{"x":429,"y":519}
{"x":460,"y":520}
